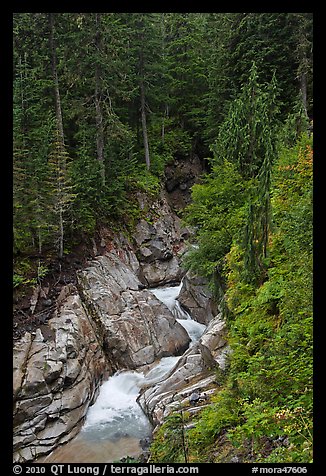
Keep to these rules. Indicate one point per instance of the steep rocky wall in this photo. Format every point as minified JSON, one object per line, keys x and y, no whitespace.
{"x":156,"y":246}
{"x":57,"y":373}
{"x":180,"y":176}
{"x":193,"y":374}
{"x":159,"y":243}
{"x":192,"y":381}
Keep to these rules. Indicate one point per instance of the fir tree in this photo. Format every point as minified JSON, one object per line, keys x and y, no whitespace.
{"x":60,"y":187}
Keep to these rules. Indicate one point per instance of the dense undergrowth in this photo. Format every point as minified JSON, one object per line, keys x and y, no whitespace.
{"x":263,"y":413}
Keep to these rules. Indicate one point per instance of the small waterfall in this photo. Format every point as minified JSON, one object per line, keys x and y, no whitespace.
{"x":116,"y":413}
{"x":168,"y":295}
{"x":115,"y":424}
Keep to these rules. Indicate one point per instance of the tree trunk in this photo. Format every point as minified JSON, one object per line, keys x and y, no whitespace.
{"x":165,"y":115}
{"x":303,"y":58}
{"x":22,"y":99}
{"x":143,"y":105}
{"x":58,"y":109}
{"x":61,"y":232}
{"x":166,"y":107}
{"x":144,"y":125}
{"x":61,"y":141}
{"x":98,"y":108}
{"x":183,"y":438}
{"x":163,"y":131}
{"x":99,"y":134}
{"x":303,"y":88}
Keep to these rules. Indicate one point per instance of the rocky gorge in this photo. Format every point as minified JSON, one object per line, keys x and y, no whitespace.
{"x":108,"y":321}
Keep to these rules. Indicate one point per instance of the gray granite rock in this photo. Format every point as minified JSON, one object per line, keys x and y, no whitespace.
{"x":48,"y":404}
{"x":137,"y":328}
{"x":196,"y":298}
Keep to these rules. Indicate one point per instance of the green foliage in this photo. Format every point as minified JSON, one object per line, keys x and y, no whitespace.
{"x":295,"y":125}
{"x":18,"y":280}
{"x":28,"y":274}
{"x":275,"y":362}
{"x":272,"y":41}
{"x":147,"y":182}
{"x":269,"y":382}
{"x":188,"y":83}
{"x":42,"y":271}
{"x":246,"y":135}
{"x":234,"y":202}
{"x":168,"y":140}
{"x":257,"y":421}
{"x":170,"y":443}
{"x":216,"y":213}
{"x":223,"y":414}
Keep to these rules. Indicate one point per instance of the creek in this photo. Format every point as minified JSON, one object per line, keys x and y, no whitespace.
{"x":115,"y":425}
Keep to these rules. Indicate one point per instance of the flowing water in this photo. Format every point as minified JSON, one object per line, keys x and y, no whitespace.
{"x":115,"y":424}
{"x":168,"y":295}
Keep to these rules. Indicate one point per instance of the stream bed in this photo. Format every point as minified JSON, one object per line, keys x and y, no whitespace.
{"x":115,"y":425}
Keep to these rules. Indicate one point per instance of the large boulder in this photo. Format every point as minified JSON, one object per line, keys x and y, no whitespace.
{"x":193,"y":374}
{"x":159,"y":400}
{"x":196,"y":298}
{"x":162,"y":271}
{"x":57,"y":373}
{"x":137,"y":327}
{"x":215,"y":335}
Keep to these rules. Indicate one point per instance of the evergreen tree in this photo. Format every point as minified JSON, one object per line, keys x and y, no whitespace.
{"x":61,"y":195}
{"x":244,"y":136}
{"x":268,"y":39}
{"x":186,"y":68}
{"x":53,"y":55}
{"x":145,"y":31}
{"x":259,"y":217}
{"x":127,"y":90}
{"x":219,"y":75}
{"x":247,"y":138}
{"x":32,"y":80}
{"x":98,"y":97}
{"x":303,"y":52}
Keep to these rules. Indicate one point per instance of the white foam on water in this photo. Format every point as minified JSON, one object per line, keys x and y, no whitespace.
{"x":195,"y":329}
{"x":116,"y":414}
{"x":117,"y":396}
{"x":161,"y":369}
{"x":168,"y":295}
